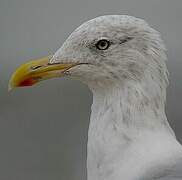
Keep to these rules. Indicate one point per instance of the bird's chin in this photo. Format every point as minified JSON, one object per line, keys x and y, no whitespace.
{"x":90,"y":75}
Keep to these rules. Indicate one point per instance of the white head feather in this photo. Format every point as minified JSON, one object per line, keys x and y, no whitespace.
{"x":128,"y":80}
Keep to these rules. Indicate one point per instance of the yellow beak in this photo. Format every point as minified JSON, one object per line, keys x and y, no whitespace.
{"x":35,"y":71}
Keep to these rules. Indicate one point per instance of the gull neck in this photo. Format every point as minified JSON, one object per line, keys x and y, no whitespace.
{"x":123,"y":117}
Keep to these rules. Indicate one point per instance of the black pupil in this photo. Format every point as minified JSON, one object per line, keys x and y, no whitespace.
{"x":103,"y":43}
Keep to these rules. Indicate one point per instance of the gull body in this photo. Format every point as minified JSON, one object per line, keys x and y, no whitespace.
{"x":129,"y":136}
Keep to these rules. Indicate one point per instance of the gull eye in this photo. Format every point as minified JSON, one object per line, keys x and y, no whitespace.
{"x":103,"y":44}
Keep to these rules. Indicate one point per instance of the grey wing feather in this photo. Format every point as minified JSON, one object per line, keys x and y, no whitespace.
{"x":174,"y":173}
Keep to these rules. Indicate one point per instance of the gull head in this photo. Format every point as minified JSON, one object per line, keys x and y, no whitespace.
{"x":107,"y":49}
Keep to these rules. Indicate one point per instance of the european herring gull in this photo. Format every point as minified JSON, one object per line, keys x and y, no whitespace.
{"x":122,"y":60}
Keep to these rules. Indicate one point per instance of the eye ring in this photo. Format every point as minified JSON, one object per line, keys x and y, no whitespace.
{"x":102,"y":44}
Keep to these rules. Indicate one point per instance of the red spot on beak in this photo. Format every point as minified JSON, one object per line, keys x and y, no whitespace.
{"x":27,"y":82}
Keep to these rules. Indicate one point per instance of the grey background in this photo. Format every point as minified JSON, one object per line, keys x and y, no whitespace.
{"x":43,"y":130}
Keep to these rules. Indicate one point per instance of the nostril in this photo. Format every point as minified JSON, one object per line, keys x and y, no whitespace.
{"x":36,"y":67}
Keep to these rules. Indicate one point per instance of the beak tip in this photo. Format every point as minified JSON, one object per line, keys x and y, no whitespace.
{"x":10,"y":87}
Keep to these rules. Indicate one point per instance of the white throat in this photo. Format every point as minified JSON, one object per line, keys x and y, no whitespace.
{"x":128,"y":128}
